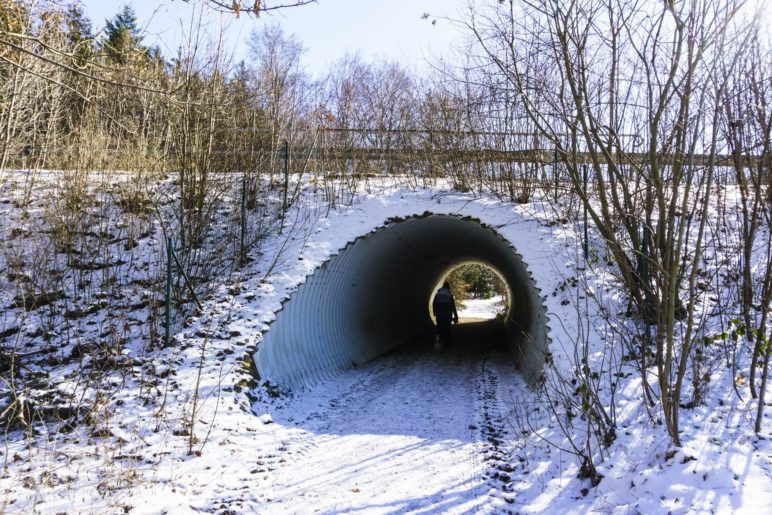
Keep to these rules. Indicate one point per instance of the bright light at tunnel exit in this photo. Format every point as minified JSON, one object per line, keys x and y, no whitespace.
{"x":472,"y":309}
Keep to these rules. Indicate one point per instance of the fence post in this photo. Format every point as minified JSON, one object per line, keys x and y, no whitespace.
{"x":169,"y":265}
{"x":555,"y":173}
{"x":286,"y":176}
{"x":646,"y":273}
{"x":584,"y":183}
{"x":242,"y":255}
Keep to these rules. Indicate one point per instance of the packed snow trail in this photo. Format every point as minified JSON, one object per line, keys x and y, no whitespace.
{"x":415,"y":431}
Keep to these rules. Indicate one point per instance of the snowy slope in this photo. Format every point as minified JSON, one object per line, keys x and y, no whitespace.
{"x":411,"y":432}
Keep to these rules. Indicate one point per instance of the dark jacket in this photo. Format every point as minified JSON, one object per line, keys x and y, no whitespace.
{"x":444,"y":305}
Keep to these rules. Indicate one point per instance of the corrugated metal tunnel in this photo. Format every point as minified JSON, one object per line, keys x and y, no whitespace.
{"x":374,"y":295}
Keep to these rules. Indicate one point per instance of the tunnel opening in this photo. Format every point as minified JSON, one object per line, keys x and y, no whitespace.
{"x":371,"y":298}
{"x":480,"y":291}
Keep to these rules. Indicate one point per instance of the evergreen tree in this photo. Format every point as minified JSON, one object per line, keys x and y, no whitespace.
{"x":79,"y":34}
{"x":480,"y":280}
{"x":475,"y":281}
{"x":123,"y":37}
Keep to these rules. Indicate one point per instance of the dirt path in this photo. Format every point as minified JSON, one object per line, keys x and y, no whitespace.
{"x":415,"y":431}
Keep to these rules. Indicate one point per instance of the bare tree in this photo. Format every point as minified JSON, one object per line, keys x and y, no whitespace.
{"x":745,"y":126}
{"x":589,"y":72}
{"x":282,"y":89}
{"x":253,"y":7}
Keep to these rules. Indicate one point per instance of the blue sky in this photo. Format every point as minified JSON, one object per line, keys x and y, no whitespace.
{"x":328,"y":30}
{"x":392,"y":29}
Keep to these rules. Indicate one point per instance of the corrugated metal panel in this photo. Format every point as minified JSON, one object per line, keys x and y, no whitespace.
{"x":374,"y":296}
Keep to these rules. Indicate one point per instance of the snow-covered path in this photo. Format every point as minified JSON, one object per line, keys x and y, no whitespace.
{"x":411,"y":432}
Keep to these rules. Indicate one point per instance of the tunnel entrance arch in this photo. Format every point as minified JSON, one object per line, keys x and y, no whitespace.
{"x":371,"y":298}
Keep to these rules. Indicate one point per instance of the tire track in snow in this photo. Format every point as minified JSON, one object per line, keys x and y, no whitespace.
{"x":404,"y":433}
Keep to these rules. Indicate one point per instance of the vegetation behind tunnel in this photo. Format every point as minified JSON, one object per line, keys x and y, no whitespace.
{"x":475,"y":281}
{"x":643,"y":127}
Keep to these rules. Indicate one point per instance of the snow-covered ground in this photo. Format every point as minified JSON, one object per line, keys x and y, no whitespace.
{"x":482,"y":308}
{"x":411,"y":432}
{"x":405,"y":433}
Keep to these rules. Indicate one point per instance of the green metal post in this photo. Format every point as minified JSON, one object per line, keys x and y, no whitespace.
{"x":169,"y":265}
{"x":646,"y":273}
{"x":584,"y":181}
{"x":286,"y":175}
{"x":555,"y":173}
{"x":242,"y":251}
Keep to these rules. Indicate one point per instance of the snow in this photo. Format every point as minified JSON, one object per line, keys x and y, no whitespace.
{"x":402,"y":436}
{"x":411,"y":432}
{"x":482,"y":308}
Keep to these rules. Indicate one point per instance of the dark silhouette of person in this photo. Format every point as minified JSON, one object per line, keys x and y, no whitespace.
{"x":444,"y":307}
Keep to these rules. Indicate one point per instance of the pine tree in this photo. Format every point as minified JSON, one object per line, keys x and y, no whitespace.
{"x":123,"y":37}
{"x":79,"y":34}
{"x":475,"y":281}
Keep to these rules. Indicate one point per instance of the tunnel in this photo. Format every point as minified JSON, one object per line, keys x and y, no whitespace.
{"x":374,"y":295}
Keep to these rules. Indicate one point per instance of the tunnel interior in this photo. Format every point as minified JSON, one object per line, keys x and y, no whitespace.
{"x":373,"y":296}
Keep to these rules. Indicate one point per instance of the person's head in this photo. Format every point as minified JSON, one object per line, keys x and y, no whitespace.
{"x":446,"y":285}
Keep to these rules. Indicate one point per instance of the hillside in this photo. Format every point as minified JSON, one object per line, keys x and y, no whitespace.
{"x":101,"y":417}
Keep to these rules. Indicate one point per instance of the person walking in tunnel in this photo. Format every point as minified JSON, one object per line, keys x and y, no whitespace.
{"x":444,"y":307}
